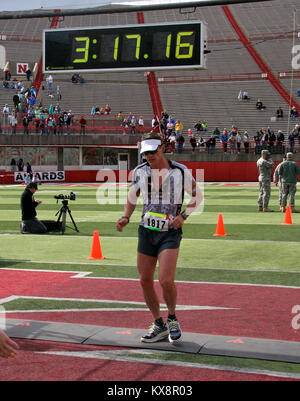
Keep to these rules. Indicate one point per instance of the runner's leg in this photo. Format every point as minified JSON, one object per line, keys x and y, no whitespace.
{"x":146,"y":267}
{"x":166,"y":276}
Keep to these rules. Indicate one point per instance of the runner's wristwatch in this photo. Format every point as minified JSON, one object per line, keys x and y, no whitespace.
{"x":184,"y":215}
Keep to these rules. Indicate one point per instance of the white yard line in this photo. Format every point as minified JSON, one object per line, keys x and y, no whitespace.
{"x":117,"y":356}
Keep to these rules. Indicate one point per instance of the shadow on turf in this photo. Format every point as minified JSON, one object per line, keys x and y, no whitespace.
{"x":11,"y":263}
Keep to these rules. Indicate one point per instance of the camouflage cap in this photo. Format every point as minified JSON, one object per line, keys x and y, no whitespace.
{"x":265,"y":151}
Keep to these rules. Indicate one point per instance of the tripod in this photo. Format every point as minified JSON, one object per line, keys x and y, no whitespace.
{"x":63,"y":214}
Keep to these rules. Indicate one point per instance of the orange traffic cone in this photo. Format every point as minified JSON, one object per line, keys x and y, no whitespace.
{"x":288,"y":216}
{"x":220,"y":231}
{"x":96,"y":252}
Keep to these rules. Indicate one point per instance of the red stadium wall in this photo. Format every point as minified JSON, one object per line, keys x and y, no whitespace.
{"x":213,"y":172}
{"x":220,"y":171}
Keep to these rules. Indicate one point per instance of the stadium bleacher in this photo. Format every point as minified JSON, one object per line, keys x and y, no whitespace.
{"x":212,"y":99}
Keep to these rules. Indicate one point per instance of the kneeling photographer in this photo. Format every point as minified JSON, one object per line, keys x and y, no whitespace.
{"x":30,"y":224}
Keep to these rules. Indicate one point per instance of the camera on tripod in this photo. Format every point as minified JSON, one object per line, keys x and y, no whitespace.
{"x":72,"y":196}
{"x":62,"y":213}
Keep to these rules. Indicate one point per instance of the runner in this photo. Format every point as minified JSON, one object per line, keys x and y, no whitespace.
{"x":162,"y":184}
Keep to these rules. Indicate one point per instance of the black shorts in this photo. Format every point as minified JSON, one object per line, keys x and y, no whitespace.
{"x":151,"y":242}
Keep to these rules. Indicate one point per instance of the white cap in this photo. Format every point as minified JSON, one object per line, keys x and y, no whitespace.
{"x":149,"y":145}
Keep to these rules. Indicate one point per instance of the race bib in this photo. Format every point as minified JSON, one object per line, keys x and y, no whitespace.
{"x":156,"y":221}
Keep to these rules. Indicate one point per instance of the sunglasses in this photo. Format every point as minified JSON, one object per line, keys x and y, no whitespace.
{"x":150,"y":152}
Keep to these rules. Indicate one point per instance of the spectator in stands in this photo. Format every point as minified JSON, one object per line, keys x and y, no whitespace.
{"x":75,"y":78}
{"x":298,"y":92}
{"x":26,"y":124}
{"x":272,"y":139}
{"x":232,"y":143}
{"x":49,"y":123}
{"x":107,"y":109}
{"x":58,"y":93}
{"x":180,"y":143}
{"x":60,"y":124}
{"x":243,"y":95}
{"x":120,"y":116}
{"x":172,"y":141}
{"x":13,"y":122}
{"x":264,"y":139}
{"x":170,"y":128}
{"x":193,"y":143}
{"x":178,"y":128}
{"x":49,"y":81}
{"x":190,"y":133}
{"x":16,"y":101}
{"x":296,"y":132}
{"x":216,"y":132}
{"x":211,"y":144}
{"x":201,"y":143}
{"x":57,"y":109}
{"x":224,"y":140}
{"x":238,"y":141}
{"x":291,"y":139}
{"x":246,"y":95}
{"x":28,"y":168}
{"x":13,"y":165}
{"x":5,"y":116}
{"x":7,"y":75}
{"x":198,"y":127}
{"x":172,"y":119}
{"x":280,"y":141}
{"x":93,"y":110}
{"x":294,"y":112}
{"x":68,"y":121}
{"x":133,"y":125}
{"x":279,"y":112}
{"x":164,"y":115}
{"x":141,"y":123}
{"x":163,"y":125}
{"x":82,"y":123}
{"x":259,"y":105}
{"x":204,"y":125}
{"x":156,"y":127}
{"x":28,"y":74}
{"x":246,"y":142}
{"x":20,"y":165}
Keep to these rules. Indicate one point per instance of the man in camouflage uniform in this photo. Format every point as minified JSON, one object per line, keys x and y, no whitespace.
{"x":288,"y":172}
{"x":277,"y":181}
{"x":264,"y":165}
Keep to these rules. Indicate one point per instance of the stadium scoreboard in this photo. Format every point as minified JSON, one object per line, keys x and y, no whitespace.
{"x":142,"y":47}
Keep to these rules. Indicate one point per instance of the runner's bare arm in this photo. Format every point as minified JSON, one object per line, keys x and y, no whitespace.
{"x":128,"y":209}
{"x":195,"y":201}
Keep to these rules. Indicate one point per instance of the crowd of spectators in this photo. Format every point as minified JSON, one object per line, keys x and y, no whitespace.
{"x":53,"y":120}
{"x":232,"y":141}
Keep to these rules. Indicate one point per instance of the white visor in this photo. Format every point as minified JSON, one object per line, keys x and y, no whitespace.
{"x":149,"y":145}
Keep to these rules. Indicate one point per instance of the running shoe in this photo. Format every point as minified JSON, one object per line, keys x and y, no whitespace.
{"x":155,"y":333}
{"x":174,"y":330}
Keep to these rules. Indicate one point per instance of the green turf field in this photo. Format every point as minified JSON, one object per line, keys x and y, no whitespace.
{"x":257,"y":249}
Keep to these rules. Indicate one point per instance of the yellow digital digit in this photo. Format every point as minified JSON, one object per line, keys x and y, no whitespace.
{"x":180,"y":45}
{"x":116,"y":48}
{"x":84,"y":50}
{"x":138,"y":44}
{"x":168,"y":48}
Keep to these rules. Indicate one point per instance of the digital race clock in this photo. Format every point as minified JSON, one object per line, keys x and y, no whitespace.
{"x":142,"y":47}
